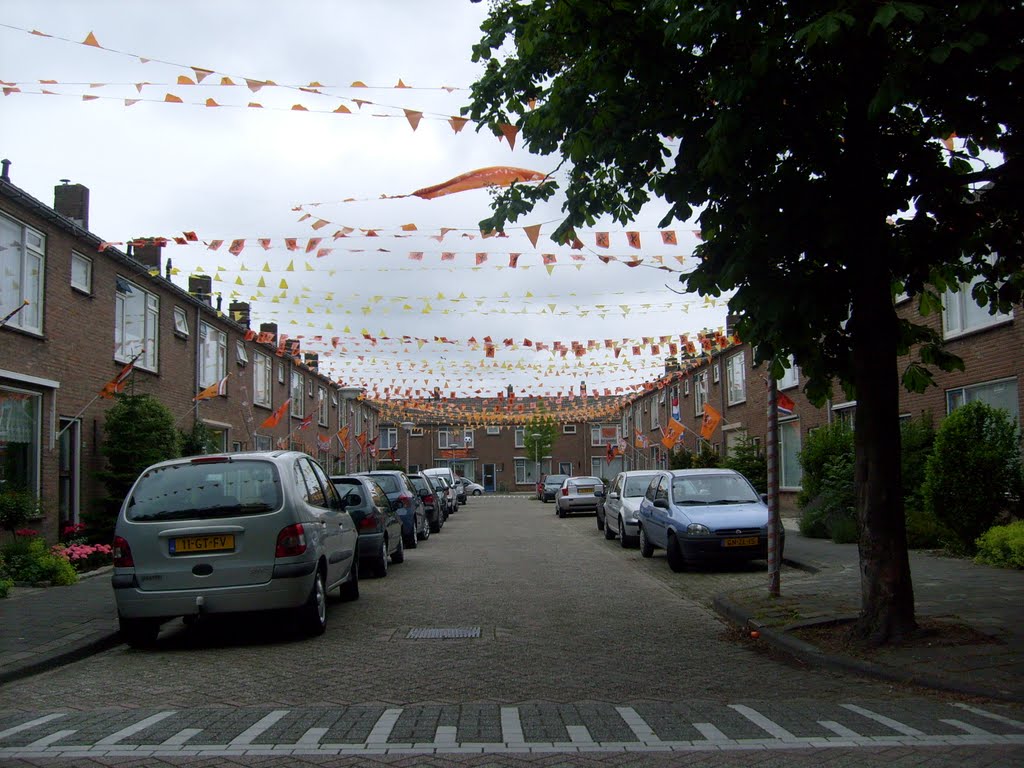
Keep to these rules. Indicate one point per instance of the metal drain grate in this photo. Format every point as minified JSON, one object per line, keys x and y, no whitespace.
{"x":442,"y":633}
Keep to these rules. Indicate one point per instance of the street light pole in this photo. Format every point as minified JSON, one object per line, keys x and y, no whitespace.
{"x":407,"y":426}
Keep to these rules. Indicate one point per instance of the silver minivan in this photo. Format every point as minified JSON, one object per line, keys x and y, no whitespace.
{"x":231,"y":533}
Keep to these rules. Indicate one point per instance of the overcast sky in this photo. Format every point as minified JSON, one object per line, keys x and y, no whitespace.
{"x":232,"y":172}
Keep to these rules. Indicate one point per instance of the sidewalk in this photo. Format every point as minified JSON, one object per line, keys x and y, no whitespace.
{"x":978,"y":612}
{"x":980,"y":653}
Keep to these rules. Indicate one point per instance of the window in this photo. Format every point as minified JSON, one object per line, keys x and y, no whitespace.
{"x":521,"y":477}
{"x":241,"y":355}
{"x":22,"y":262}
{"x":388,"y":439}
{"x":20,"y":428}
{"x":655,"y":413}
{"x":845,"y":413}
{"x":298,"y":405}
{"x":735,"y":373}
{"x":467,"y":438}
{"x":264,"y":443}
{"x":213,"y":353}
{"x":309,"y":389}
{"x":715,"y":376}
{"x":700,"y":392}
{"x":321,"y":406}
{"x":568,"y":429}
{"x":604,"y":434}
{"x":136,"y":315}
{"x":998,"y":394}
{"x":261,"y":380}
{"x":416,"y":432}
{"x":791,"y":377}
{"x":280,"y":373}
{"x":81,"y":273}
{"x":601,"y":467}
{"x":180,"y":322}
{"x":686,"y":387}
{"x":520,"y":437}
{"x":493,"y":430}
{"x":962,"y":314}
{"x":790,"y":472}
{"x":529,"y":472}
{"x":444,"y":438}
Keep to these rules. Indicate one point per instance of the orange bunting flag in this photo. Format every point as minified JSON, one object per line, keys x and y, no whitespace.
{"x":532,"y":232}
{"x":710,"y":421}
{"x":633,"y":238}
{"x":273,"y":419}
{"x":413,"y":117}
{"x":602,"y":239}
{"x":264,"y":243}
{"x":314,"y":243}
{"x":510,"y":132}
{"x":172,"y":99}
{"x":481,"y":258}
{"x":494,"y":176}
{"x":513,"y":260}
{"x":457,"y":123}
{"x":291,"y":243}
{"x":668,"y":237}
{"x":90,"y":39}
{"x":216,"y":389}
{"x":236,"y":247}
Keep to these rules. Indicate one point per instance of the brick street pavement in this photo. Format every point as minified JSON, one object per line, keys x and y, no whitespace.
{"x":584,"y":648}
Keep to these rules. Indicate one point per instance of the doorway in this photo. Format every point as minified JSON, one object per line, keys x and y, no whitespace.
{"x":488,"y":478}
{"x":69,"y":471}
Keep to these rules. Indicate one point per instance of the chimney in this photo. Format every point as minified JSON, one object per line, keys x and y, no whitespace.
{"x":201,"y":286}
{"x":730,"y":324}
{"x":292,"y":347}
{"x":72,"y":200}
{"x":312,"y":361}
{"x":5,"y":168}
{"x":672,"y":364}
{"x":270,"y":328}
{"x":239,"y":312}
{"x":148,"y":251}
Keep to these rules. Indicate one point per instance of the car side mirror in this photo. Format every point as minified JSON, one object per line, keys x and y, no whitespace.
{"x":613,"y":495}
{"x":599,"y":494}
{"x":661,"y":503}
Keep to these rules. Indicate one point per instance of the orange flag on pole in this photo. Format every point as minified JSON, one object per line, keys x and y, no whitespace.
{"x":116,"y":384}
{"x":272,"y":420}
{"x":673,"y":431}
{"x":710,"y":422}
{"x":216,"y":389}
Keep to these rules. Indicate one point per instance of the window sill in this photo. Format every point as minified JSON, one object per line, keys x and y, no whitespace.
{"x":83,"y":292}
{"x":957,"y":335}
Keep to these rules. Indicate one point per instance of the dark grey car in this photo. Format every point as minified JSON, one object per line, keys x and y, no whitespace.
{"x":380,"y":530}
{"x":406,"y":502}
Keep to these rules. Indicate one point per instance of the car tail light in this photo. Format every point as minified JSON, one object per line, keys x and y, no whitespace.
{"x":291,"y":541}
{"x":404,"y":500}
{"x":565,"y":491}
{"x":370,"y":521}
{"x":428,"y":499}
{"x":122,"y":553}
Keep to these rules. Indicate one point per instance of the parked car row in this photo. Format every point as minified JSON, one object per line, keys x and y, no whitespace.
{"x":260,"y":531}
{"x":695,"y":515}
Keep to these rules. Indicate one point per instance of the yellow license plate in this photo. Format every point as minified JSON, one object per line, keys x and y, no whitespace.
{"x":746,"y":541}
{"x":189,"y":545}
{"x":585,"y":491}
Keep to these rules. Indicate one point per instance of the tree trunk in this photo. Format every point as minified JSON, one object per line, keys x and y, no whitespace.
{"x":887,"y":593}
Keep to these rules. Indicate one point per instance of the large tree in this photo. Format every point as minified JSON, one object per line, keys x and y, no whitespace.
{"x":814,"y":140}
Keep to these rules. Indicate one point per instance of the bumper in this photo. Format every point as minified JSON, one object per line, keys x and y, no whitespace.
{"x":585,"y":504}
{"x":630,"y":528}
{"x":369,"y":544}
{"x":276,"y":594}
{"x":408,"y":522}
{"x":711,"y":549}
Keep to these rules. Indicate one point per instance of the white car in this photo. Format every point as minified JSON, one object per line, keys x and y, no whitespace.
{"x":617,"y":515}
{"x":471,"y":488}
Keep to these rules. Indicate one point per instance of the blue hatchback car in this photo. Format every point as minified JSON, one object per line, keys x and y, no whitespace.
{"x":406,"y":501}
{"x":703,"y":515}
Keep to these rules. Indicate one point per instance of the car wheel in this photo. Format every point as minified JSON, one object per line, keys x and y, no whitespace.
{"x":561,"y":512}
{"x":600,"y":523}
{"x":139,"y":633}
{"x":435,"y":524}
{"x":398,"y":556}
{"x":646,"y":548}
{"x":313,"y":615}
{"x":623,"y":539}
{"x":425,"y":529}
{"x":411,"y":542}
{"x":380,"y":567}
{"x":350,"y":589}
{"x":477,"y":492}
{"x":674,"y":551}
{"x":609,"y":534}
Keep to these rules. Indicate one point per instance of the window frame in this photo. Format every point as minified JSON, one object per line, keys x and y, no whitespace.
{"x":520,"y":437}
{"x":493,"y":430}
{"x":208,"y":331}
{"x":385,"y":441}
{"x":790,"y":448}
{"x":28,"y":253}
{"x":297,"y":407}
{"x":78,"y":258}
{"x":262,"y":367}
{"x":791,"y":376}
{"x":736,"y":378}
{"x":150,"y":338}
{"x":241,"y":353}
{"x":322,"y":411}
{"x":568,"y":429}
{"x":181,"y":322}
{"x":700,"y":392}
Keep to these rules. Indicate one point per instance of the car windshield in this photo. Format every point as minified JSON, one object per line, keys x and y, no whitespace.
{"x":388,"y":482}
{"x":637,"y":486}
{"x":712,"y":489}
{"x":555,"y":479}
{"x":203,"y":490}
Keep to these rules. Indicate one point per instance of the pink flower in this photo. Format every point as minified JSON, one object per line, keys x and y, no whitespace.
{"x":26,"y":532}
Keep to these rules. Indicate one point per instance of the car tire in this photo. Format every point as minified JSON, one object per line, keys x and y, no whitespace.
{"x":600,"y":522}
{"x":435,"y":525}
{"x":139,"y":633}
{"x":398,"y":556}
{"x":411,"y":542}
{"x":624,"y":540}
{"x":380,"y":565}
{"x":560,"y":512}
{"x":609,"y":534}
{"x":646,"y":548}
{"x":674,"y":552}
{"x":424,"y":533}
{"x":313,"y":615}
{"x":477,"y":493}
{"x":350,"y":589}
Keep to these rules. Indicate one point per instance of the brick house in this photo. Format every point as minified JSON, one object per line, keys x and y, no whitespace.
{"x":82,"y":310}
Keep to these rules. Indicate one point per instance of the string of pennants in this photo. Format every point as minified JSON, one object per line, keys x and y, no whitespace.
{"x":199,"y":77}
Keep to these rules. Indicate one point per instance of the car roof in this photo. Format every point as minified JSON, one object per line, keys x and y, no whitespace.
{"x":213,"y":458}
{"x":703,"y":471}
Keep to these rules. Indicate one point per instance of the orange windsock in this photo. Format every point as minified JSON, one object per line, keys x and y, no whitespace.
{"x":495,"y":176}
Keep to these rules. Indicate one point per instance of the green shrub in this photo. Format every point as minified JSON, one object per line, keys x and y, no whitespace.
{"x":17,"y":507}
{"x":29,"y":559}
{"x":924,"y":531}
{"x":974,"y":472}
{"x":821,"y":449}
{"x":5,"y":587}
{"x":706,"y":458}
{"x":827,"y":500}
{"x":680,"y":458}
{"x":746,"y":457}
{"x":1002,"y":546}
{"x":917,"y":439}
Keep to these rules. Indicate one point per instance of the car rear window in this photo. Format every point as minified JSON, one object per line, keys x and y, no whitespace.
{"x":388,"y":482}
{"x":202,"y":490}
{"x":419,"y":483}
{"x":555,"y":479}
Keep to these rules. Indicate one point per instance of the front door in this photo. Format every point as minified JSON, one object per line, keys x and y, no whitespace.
{"x":488,"y":478}
{"x":69,"y":470}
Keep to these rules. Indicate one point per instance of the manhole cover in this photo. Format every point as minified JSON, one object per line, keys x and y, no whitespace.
{"x":442,"y":633}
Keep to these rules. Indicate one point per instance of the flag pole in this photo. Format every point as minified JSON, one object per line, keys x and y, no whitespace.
{"x":13,"y":312}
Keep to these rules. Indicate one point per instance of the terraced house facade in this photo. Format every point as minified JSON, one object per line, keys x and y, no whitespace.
{"x":81,"y":311}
